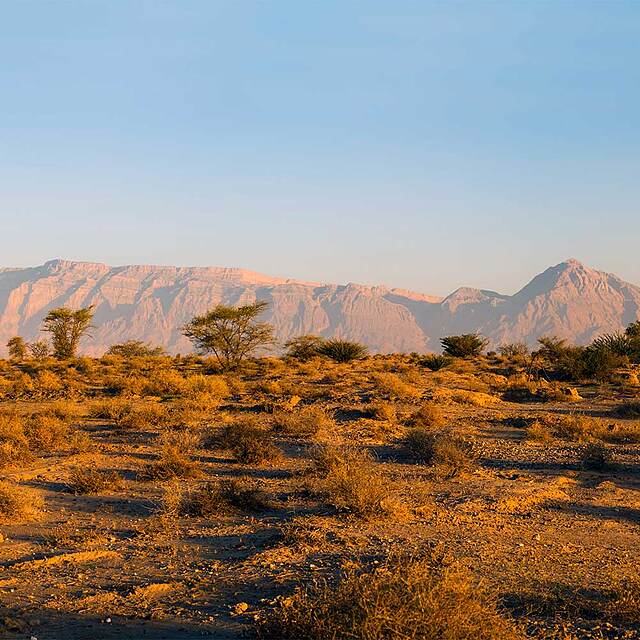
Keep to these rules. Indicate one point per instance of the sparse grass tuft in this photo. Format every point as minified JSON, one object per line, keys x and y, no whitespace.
{"x":249,"y":443}
{"x":224,"y":496}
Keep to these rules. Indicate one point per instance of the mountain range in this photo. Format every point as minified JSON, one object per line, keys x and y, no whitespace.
{"x":151,"y":303}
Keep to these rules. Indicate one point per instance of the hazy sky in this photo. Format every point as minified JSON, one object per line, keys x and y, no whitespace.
{"x":424,"y":145}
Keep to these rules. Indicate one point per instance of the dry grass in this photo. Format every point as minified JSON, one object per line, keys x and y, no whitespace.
{"x":249,"y":443}
{"x":351,"y":481}
{"x":302,"y":423}
{"x":19,"y":503}
{"x":224,"y":497}
{"x":449,"y":454}
{"x":406,"y":597}
{"x":92,"y":481}
{"x":428,"y":415}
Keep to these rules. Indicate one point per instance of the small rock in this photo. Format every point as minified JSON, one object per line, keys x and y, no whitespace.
{"x":240,"y":608}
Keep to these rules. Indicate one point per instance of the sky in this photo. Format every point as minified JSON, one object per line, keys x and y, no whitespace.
{"x":423,"y":145}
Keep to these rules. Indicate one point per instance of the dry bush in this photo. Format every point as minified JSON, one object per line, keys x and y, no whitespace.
{"x":224,"y":496}
{"x":18,"y":503}
{"x":214,"y":387}
{"x":351,"y":482}
{"x":175,"y":459}
{"x":448,"y":453}
{"x":595,"y":457}
{"x":63,"y":410}
{"x":301,"y":423}
{"x":165,"y":383}
{"x":627,"y":410}
{"x":385,"y":411}
{"x":390,"y":385}
{"x":248,"y":442}
{"x":538,"y":432}
{"x":428,"y":415}
{"x":92,"y":481}
{"x":14,"y":444}
{"x":46,"y":432}
{"x":406,"y":597}
{"x":581,"y":428}
{"x":129,"y":415}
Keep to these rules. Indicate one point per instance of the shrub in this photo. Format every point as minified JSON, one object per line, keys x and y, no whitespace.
{"x":382,"y":411}
{"x":18,"y":503}
{"x":343,"y":350}
{"x":392,"y":386}
{"x":301,"y":423}
{"x":405,"y":597}
{"x":465,"y":346}
{"x":428,"y":415}
{"x":46,"y":432}
{"x":92,"y":481}
{"x":595,"y":457}
{"x":224,"y":496}
{"x":304,"y":348}
{"x":351,"y":482}
{"x":627,"y":410}
{"x":449,"y":454}
{"x":175,"y":459}
{"x":435,"y":362}
{"x":135,"y":349}
{"x":249,"y":443}
{"x":214,"y":388}
{"x":514,"y":350}
{"x":14,"y":444}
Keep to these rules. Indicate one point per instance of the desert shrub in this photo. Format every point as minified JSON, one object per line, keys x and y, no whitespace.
{"x":464,"y":346}
{"x":351,"y":482}
{"x":131,"y":416}
{"x":343,"y":350}
{"x":46,"y":432}
{"x":514,"y":350}
{"x":18,"y":503}
{"x":426,"y":598}
{"x":385,"y":411}
{"x":214,"y":388}
{"x":577,"y":428}
{"x":62,"y":409}
{"x":449,"y":454}
{"x":165,"y":383}
{"x":627,"y":410}
{"x":14,"y":444}
{"x":224,"y":496}
{"x":301,"y":423}
{"x":428,"y":415}
{"x":174,"y":462}
{"x":92,"y":481}
{"x":135,"y":349}
{"x":435,"y":362}
{"x":391,"y":386}
{"x":595,"y":457}
{"x":304,"y":348}
{"x":538,"y":432}
{"x":125,"y":385}
{"x":248,"y":442}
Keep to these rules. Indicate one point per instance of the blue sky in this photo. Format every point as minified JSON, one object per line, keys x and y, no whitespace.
{"x":424,"y":145}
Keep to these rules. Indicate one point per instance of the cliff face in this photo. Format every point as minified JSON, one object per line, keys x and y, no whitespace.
{"x":151,"y":303}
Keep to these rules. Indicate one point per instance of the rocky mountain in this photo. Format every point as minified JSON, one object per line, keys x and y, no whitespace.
{"x":151,"y":303}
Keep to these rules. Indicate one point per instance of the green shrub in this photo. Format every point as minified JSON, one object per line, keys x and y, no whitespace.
{"x":467,"y":345}
{"x":343,"y":350}
{"x":434,"y":361}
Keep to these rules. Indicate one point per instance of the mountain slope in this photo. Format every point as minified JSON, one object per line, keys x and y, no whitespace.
{"x":152,"y":303}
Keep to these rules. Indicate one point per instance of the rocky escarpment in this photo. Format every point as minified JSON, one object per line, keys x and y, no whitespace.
{"x":151,"y":303}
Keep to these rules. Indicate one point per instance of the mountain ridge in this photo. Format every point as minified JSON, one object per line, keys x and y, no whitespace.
{"x":152,"y":302}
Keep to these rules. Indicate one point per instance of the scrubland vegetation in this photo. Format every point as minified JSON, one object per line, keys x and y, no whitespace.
{"x":322,"y":494}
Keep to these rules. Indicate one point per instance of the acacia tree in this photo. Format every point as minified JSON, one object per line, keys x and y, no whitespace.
{"x":66,"y":327}
{"x":17,"y":348}
{"x":230,"y":333}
